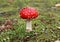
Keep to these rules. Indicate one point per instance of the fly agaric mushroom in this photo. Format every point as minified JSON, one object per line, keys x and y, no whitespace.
{"x":28,"y":13}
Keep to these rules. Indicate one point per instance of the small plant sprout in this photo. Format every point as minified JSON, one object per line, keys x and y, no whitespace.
{"x":28,"y":13}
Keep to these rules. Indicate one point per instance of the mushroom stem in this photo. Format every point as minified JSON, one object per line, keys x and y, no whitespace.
{"x":28,"y":25}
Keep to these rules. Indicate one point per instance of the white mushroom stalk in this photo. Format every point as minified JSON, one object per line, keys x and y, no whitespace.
{"x":57,"y":5}
{"x":28,"y":25}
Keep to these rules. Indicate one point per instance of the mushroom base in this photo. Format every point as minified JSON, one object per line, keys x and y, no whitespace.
{"x":28,"y":26}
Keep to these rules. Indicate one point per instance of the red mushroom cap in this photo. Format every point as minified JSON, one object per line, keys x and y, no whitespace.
{"x":28,"y":13}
